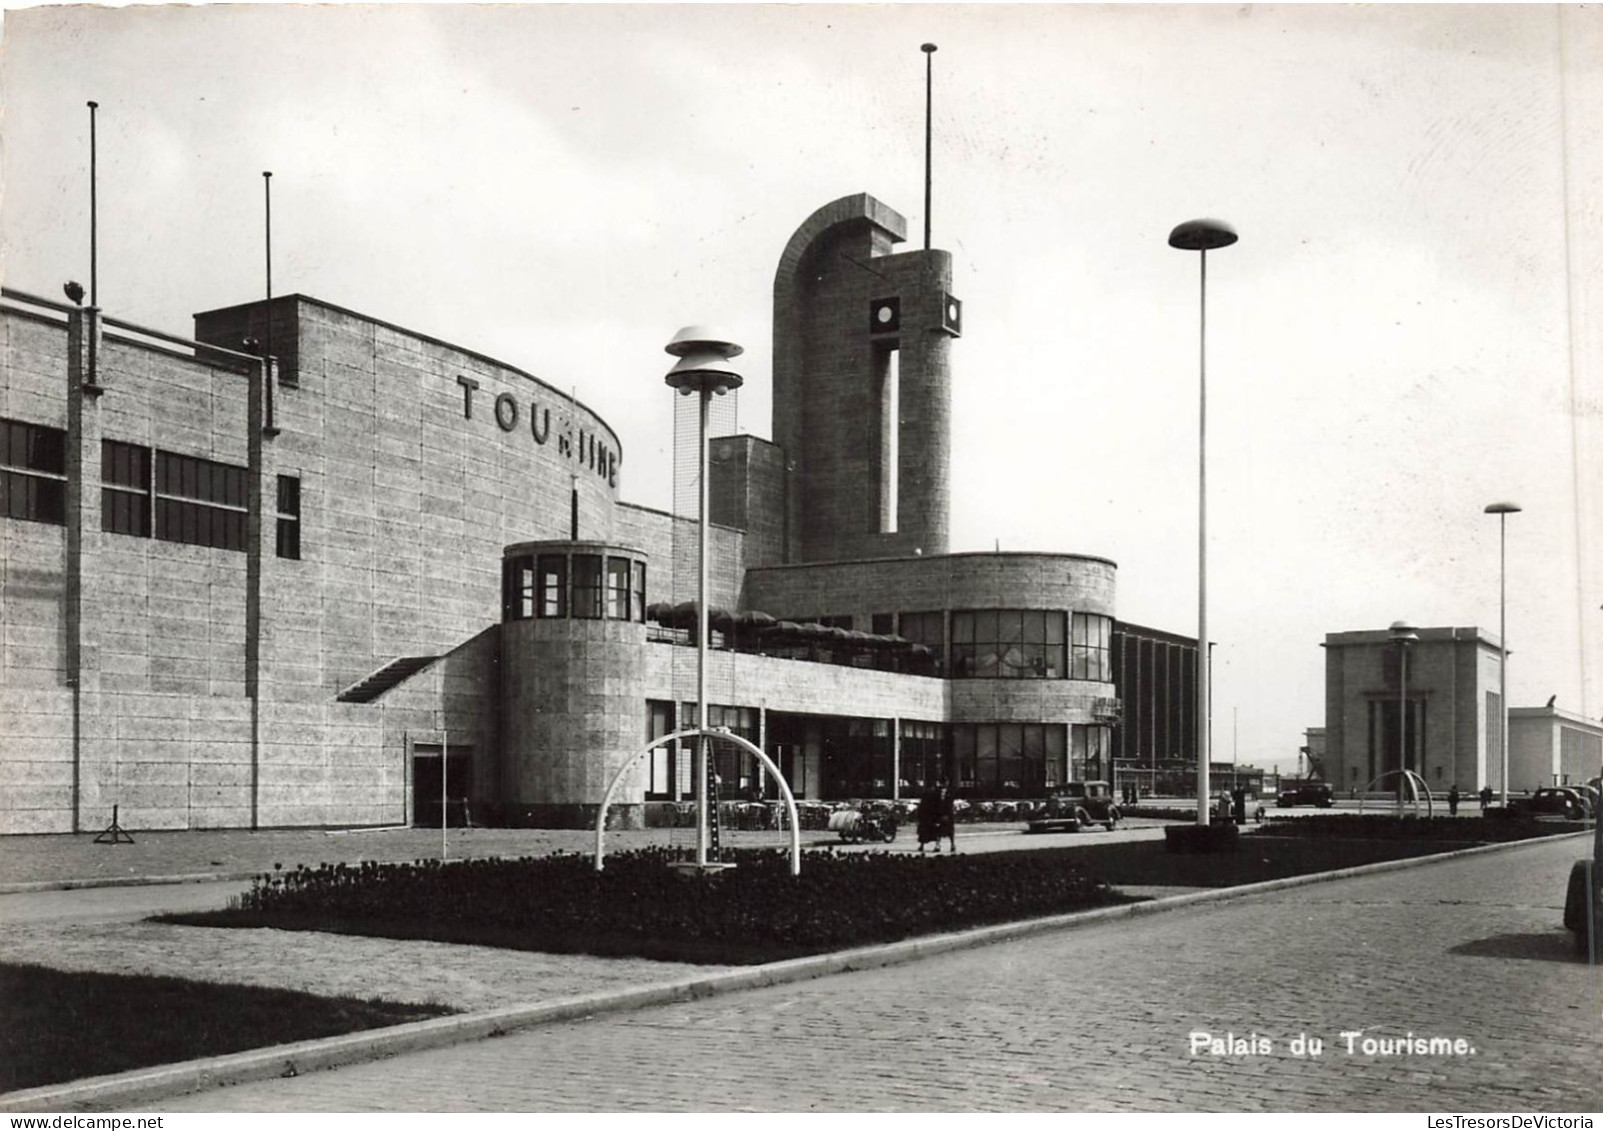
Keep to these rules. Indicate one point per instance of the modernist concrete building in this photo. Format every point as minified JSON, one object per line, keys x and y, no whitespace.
{"x":246,"y":594}
{"x":1439,"y":714}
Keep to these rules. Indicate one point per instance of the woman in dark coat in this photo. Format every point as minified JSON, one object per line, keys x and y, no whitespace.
{"x":929,"y":818}
{"x":936,"y":818}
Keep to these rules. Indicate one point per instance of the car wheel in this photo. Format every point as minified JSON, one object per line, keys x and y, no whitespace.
{"x":1082,"y":818}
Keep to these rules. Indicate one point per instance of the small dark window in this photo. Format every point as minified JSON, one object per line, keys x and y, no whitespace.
{"x":33,"y":473}
{"x":884,"y":624}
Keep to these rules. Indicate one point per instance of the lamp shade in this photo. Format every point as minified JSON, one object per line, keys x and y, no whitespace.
{"x":703,"y":361}
{"x":1202,"y":235}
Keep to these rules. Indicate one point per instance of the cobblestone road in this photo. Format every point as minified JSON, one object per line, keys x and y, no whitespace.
{"x":1095,"y":1018}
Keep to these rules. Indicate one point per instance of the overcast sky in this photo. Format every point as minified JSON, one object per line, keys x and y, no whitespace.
{"x":1408,"y":330}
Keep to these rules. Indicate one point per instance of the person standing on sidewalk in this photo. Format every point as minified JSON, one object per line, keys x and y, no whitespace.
{"x":946,"y":819}
{"x":1452,"y":800}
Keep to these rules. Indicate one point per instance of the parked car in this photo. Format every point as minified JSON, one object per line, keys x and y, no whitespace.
{"x":1078,"y":805}
{"x":1554,"y":801}
{"x":1583,"y":904}
{"x":1308,"y":793}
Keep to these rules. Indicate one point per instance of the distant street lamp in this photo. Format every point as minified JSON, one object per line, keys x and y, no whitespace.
{"x":702,"y":368}
{"x":1403,"y":633}
{"x":1202,"y":236}
{"x":1502,"y":511}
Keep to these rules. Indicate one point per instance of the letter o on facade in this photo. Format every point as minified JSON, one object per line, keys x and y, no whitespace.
{"x":506,"y":412}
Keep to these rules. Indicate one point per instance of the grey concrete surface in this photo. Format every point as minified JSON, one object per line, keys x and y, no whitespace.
{"x":1100,"y":1018}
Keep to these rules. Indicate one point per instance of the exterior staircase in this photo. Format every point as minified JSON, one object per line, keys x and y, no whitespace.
{"x":396,"y":671}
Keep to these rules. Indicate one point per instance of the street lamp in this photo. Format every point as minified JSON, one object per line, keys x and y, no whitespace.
{"x":1202,"y":236}
{"x":1502,"y":511}
{"x":702,"y":368}
{"x":1403,"y":633}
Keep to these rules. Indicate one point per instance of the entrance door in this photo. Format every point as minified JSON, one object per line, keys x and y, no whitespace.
{"x":426,"y":785}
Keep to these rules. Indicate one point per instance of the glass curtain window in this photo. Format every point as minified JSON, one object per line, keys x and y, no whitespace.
{"x":517,"y":579}
{"x":618,"y":588}
{"x":1092,"y":636}
{"x":638,"y":608}
{"x":587,"y":586}
{"x":552,"y":571}
{"x":1008,"y":644}
{"x":928,"y":629}
{"x":1007,"y":759}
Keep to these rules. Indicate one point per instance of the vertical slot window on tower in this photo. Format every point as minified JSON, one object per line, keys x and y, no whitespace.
{"x":888,"y":370}
{"x":125,"y":489}
{"x":289,"y":517}
{"x":33,"y":473}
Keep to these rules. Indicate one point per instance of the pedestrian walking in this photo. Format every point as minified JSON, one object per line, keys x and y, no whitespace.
{"x":1486,"y":798}
{"x":1452,"y":800}
{"x":929,"y":818}
{"x":946,"y":820}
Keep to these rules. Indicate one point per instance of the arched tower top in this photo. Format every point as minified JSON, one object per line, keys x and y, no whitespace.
{"x":862,"y":385}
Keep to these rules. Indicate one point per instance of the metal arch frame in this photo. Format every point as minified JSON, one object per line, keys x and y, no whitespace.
{"x":1412,"y":779}
{"x":697,"y":732}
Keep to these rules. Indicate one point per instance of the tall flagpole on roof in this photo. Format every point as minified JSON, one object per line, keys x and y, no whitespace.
{"x":94,"y":257}
{"x":929,"y":91}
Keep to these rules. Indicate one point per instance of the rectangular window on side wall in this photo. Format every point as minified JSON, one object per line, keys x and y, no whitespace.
{"x":33,"y":473}
{"x":125,"y":488}
{"x":289,"y":517}
{"x":199,"y":502}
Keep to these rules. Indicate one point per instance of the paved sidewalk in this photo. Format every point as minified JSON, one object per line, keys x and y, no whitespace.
{"x":1097,"y":1019}
{"x":62,"y":860}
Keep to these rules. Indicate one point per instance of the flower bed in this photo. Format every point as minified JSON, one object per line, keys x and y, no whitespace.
{"x":756,"y":912}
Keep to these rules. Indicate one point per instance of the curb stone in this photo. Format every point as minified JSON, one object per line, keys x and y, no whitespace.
{"x":143,"y":1085}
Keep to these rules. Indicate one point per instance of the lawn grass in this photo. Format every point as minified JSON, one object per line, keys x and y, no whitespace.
{"x":60,"y":1025}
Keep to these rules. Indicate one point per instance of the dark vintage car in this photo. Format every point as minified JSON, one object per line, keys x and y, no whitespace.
{"x":1583,"y":907}
{"x":1554,"y":801}
{"x":1308,"y":793}
{"x":1078,"y":805}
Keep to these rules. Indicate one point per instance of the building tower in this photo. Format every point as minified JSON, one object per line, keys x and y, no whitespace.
{"x":862,"y":387}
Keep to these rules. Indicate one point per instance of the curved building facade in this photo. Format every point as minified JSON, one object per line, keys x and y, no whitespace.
{"x":386,"y":574}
